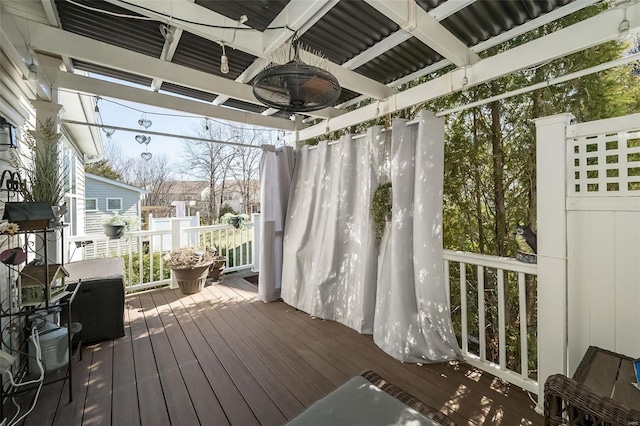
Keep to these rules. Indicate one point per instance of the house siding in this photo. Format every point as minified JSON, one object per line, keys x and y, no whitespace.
{"x":102,"y":191}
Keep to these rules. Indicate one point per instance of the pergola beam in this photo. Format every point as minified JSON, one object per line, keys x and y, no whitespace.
{"x":94,"y":86}
{"x":494,"y":41}
{"x":299,"y":15}
{"x":580,"y":36}
{"x":250,"y":41}
{"x":247,"y":39}
{"x":53,"y":40}
{"x":168,"y":50}
{"x":413,"y":19}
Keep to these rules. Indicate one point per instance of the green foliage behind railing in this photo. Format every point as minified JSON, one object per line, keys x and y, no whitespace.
{"x":512,"y":320}
{"x":146,"y":275}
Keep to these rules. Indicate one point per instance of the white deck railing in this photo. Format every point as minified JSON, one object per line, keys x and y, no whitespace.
{"x":471,"y":272}
{"x":144,"y":251}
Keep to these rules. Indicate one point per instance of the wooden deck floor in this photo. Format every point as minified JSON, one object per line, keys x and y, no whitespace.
{"x":223,"y":358}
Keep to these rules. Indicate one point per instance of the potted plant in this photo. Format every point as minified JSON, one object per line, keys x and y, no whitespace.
{"x":217,"y":266}
{"x":116,"y":226}
{"x":42,"y":174}
{"x":235,"y":220}
{"x":190,"y":266}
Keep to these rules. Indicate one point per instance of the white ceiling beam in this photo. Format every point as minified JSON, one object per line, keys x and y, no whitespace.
{"x":441,"y":12}
{"x":247,"y":39}
{"x":448,"y":8}
{"x":59,"y":42}
{"x":299,"y":15}
{"x":575,"y":38}
{"x":168,"y":50}
{"x":494,"y":41}
{"x":242,"y":41}
{"x":20,"y":53}
{"x":413,"y":19}
{"x":107,"y":89}
{"x":377,"y":49}
{"x":51,"y":11}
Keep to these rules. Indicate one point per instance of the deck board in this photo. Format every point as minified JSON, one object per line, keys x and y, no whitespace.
{"x":223,"y":357}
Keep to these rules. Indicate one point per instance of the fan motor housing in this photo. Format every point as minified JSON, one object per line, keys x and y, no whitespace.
{"x":296,"y":87}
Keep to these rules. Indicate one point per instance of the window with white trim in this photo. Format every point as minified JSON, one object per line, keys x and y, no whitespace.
{"x":91,"y":204}
{"x":114,"y":204}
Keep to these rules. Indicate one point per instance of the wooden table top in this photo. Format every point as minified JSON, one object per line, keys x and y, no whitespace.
{"x":609,"y":374}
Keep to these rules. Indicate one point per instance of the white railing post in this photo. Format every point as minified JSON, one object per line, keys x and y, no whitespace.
{"x":150,"y":226}
{"x":255,"y":245}
{"x":176,"y":243}
{"x":552,"y":247}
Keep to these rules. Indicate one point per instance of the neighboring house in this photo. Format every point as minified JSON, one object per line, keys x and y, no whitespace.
{"x":105,"y":197}
{"x":243,"y":197}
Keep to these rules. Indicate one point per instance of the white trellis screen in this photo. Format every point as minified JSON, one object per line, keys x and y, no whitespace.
{"x":603,"y":235}
{"x":588,"y":239}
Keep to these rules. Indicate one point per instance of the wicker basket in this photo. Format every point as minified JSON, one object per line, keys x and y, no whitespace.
{"x":191,"y":279}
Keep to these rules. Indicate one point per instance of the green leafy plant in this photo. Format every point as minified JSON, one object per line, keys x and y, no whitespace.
{"x":42,"y":174}
{"x":381,"y":208}
{"x":130,"y":223}
{"x":235,"y":220}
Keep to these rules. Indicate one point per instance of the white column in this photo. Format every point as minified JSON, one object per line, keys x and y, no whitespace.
{"x":551,"y":167}
{"x":255,"y":245}
{"x":176,"y":243}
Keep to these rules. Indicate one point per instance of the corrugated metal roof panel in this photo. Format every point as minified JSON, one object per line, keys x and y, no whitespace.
{"x":404,"y":59}
{"x":110,"y":72}
{"x":259,"y":12}
{"x":187,"y":91}
{"x":204,"y":55}
{"x":484,"y":19}
{"x":430,"y":4}
{"x":347,"y":29}
{"x":137,"y":35}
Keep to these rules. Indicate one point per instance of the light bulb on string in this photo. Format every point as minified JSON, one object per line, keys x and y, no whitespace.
{"x":224,"y":62}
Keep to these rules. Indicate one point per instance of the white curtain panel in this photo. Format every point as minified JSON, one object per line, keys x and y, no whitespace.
{"x":276,"y":172}
{"x":330,"y":252}
{"x":412,"y":319}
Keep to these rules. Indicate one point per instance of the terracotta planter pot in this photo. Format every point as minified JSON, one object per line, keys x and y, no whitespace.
{"x":216,"y":269}
{"x":191,"y":280}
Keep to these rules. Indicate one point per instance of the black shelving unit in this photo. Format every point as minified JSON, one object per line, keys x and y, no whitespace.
{"x":43,"y":300}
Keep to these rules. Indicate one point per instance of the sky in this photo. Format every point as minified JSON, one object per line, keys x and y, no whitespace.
{"x":126,"y":114}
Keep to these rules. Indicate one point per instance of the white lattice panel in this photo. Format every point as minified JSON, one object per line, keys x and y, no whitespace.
{"x":606,"y":164}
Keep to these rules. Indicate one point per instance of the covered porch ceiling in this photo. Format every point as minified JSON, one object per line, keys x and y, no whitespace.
{"x":374,"y":47}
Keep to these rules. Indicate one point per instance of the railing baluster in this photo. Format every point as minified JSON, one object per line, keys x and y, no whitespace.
{"x":447,"y":282}
{"x":241,"y":248}
{"x":161,"y":257}
{"x":130,"y":268}
{"x":463,"y":307}
{"x":481,"y":315}
{"x":501,"y":321}
{"x":151,"y":263}
{"x":524,"y":347}
{"x":140,"y":262}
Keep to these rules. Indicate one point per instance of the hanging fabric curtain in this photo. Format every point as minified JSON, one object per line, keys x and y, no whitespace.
{"x":330,"y":252}
{"x":412,"y":318}
{"x":276,"y":171}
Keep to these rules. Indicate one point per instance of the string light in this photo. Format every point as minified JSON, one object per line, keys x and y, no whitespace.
{"x":96,"y":108}
{"x":224,"y":62}
{"x":164,"y":114}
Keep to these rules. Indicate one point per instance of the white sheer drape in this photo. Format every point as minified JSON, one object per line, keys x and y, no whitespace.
{"x":412,"y":319}
{"x":330,"y":253}
{"x":276,"y":171}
